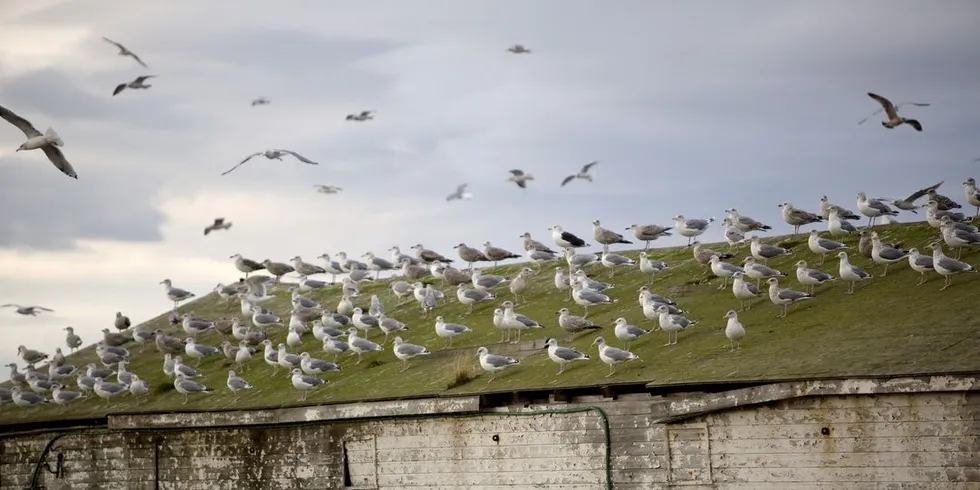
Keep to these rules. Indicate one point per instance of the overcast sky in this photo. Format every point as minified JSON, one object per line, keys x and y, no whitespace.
{"x":691,"y":108}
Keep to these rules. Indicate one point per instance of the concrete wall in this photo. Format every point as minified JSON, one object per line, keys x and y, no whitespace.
{"x":885,"y":440}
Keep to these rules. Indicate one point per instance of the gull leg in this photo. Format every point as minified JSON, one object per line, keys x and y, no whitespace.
{"x":612,"y":369}
{"x":885,"y":273}
{"x":946,"y":283}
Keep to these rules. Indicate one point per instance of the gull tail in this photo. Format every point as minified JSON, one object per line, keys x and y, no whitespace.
{"x":52,"y":137}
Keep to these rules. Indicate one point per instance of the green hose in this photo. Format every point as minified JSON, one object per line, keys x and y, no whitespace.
{"x":603,"y":417}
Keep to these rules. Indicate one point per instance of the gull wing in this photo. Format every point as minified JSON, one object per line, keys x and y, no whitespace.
{"x":119,"y":88}
{"x":516,"y":172}
{"x":885,"y":104}
{"x":921,"y":192}
{"x":137,"y":58}
{"x":22,"y":124}
{"x":142,"y":78}
{"x":219,"y":221}
{"x":58,"y":159}
{"x":243,"y":161}
{"x":567,"y":180}
{"x":461,"y":188}
{"x":587,"y":166}
{"x":299,"y":157}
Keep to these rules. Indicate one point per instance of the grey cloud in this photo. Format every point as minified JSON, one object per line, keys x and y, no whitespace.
{"x":45,"y":210}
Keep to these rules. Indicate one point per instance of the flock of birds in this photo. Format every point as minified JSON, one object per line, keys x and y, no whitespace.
{"x":347,"y":328}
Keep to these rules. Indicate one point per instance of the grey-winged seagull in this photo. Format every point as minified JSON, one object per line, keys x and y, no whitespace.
{"x":850,"y":273}
{"x":520,"y":178}
{"x":176,"y":294}
{"x":798,"y":217}
{"x":946,"y":266}
{"x":891,"y":110}
{"x":734,"y":330}
{"x":460,"y":193}
{"x":920,"y":263}
{"x":672,"y":323}
{"x":764,"y":251}
{"x":405,"y":351}
{"x":873,"y":208}
{"x":723,"y":270}
{"x":743,"y":290}
{"x":843,"y":213}
{"x":313,"y":366}
{"x":247,"y":266}
{"x":582,"y":174}
{"x":650,"y":266}
{"x":649,"y":233}
{"x":236,"y":384}
{"x":957,"y":238}
{"x":691,"y":228}
{"x":744,"y":223}
{"x":823,"y":246}
{"x":361,"y":116}
{"x":908,"y":204}
{"x":449,"y":331}
{"x":733,"y":235}
{"x":519,"y":49}
{"x":613,"y":356}
{"x":493,"y":363}
{"x":136,"y":83}
{"x":626,"y":332}
{"x":428,"y":256}
{"x":125,"y":52}
{"x":563,"y":355}
{"x":360,"y":345}
{"x":972,"y":194}
{"x":305,"y":383}
{"x":702,"y":254}
{"x":470,"y":297}
{"x":944,"y":202}
{"x":72,"y":340}
{"x":884,"y":254}
{"x":783,"y":297}
{"x":838,"y":226}
{"x":574,"y":324}
{"x":49,"y":142}
{"x":811,"y":278}
{"x":260,"y":101}
{"x":219,"y":224}
{"x":585,"y":298}
{"x":271,"y":155}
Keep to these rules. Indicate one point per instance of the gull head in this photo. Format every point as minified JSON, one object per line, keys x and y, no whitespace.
{"x":772,"y":281}
{"x":507,"y":304}
{"x":714,"y":259}
{"x":236,"y":256}
{"x":932,"y":203}
{"x":861,"y":196}
{"x":785,"y":205}
{"x":486,"y":243}
{"x":595,"y":222}
{"x":935,"y":246}
{"x":417,"y":246}
{"x":842,"y":255}
{"x":550,"y":342}
{"x":563,"y":311}
{"x":913,"y":251}
{"x":620,"y":321}
{"x":737,"y":275}
{"x":663,"y":309}
{"x":482,"y":351}
{"x":815,"y":232}
{"x":599,"y":341}
{"x":801,"y":264}
{"x":731,"y":315}
{"x":679,"y":217}
{"x":166,"y":282}
{"x":526,"y":234}
{"x":970,"y":182}
{"x":556,"y":228}
{"x":297,"y":258}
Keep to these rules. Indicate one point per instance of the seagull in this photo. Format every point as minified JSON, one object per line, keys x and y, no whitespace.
{"x":972,"y":194}
{"x":743,"y":290}
{"x":734,"y":330}
{"x":613,"y":356}
{"x":947,"y":266}
{"x":850,"y":273}
{"x":520,"y":178}
{"x":26,"y":310}
{"x":260,"y":101}
{"x":582,"y":174}
{"x":649,"y":233}
{"x":891,"y":111}
{"x":565,"y":239}
{"x":628,"y":333}
{"x":691,"y":228}
{"x":908,"y":204}
{"x":798,"y":217}
{"x":884,"y":254}
{"x":519,"y":49}
{"x":811,"y":277}
{"x":873,"y":208}
{"x":327,"y":189}
{"x":826,"y":207}
{"x":459,"y":194}
{"x":219,"y":224}
{"x":405,"y":351}
{"x":236,"y":384}
{"x":125,"y":52}
{"x":49,"y":142}
{"x":671,"y":323}
{"x":784,"y":297}
{"x":494,"y":363}
{"x":920,"y":263}
{"x":137,"y":83}
{"x":363,"y":116}
{"x":563,"y":355}
{"x":272,"y":155}
{"x":744,"y":223}
{"x":823,"y":246}
{"x":122,"y":321}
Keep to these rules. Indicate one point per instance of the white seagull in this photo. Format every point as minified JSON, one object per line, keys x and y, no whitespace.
{"x":219,"y":224}
{"x":137,"y":83}
{"x":582,"y":174}
{"x":891,"y":110}
{"x":125,"y":52}
{"x":272,"y":155}
{"x":520,"y":178}
{"x":49,"y":142}
{"x":459,"y":194}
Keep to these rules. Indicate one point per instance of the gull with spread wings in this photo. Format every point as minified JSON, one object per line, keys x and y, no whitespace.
{"x":125,"y":52}
{"x":583,"y":174}
{"x":908,"y":204}
{"x":520,"y":178}
{"x":47,"y":142}
{"x":137,"y":83}
{"x":219,"y":224}
{"x":260,"y":101}
{"x":327,"y":189}
{"x":27,"y":310}
{"x":519,"y":49}
{"x":459,"y":194}
{"x":272,"y":155}
{"x":363,"y":116}
{"x":891,"y":111}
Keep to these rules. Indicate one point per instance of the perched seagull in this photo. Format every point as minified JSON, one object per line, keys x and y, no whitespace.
{"x":798,"y":217}
{"x":823,"y":246}
{"x":972,"y":194}
{"x":26,"y":310}
{"x":826,"y":207}
{"x":921,"y":264}
{"x":272,"y":155}
{"x":125,"y":52}
{"x":219,"y":224}
{"x":606,"y":237}
{"x":734,"y":330}
{"x":565,"y":239}
{"x":811,"y":277}
{"x":891,"y":111}
{"x":582,"y":174}
{"x":519,"y":49}
{"x":784,"y":297}
{"x":494,"y":363}
{"x":137,"y":83}
{"x":49,"y":142}
{"x":563,"y":355}
{"x":947,"y":266}
{"x":405,"y":351}
{"x":908,"y":204}
{"x":613,"y":356}
{"x":363,"y":116}
{"x":327,"y":189}
{"x":744,"y":223}
{"x":838,"y":226}
{"x":885,"y":254}
{"x":743,"y":290}
{"x":459,"y":194}
{"x":649,"y":233}
{"x":850,"y":273}
{"x":260,"y":101}
{"x":691,"y":228}
{"x":723,"y":270}
{"x":873,"y":208}
{"x":520,"y":178}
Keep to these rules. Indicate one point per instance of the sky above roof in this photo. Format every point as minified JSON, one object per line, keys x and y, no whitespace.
{"x":690,"y":107}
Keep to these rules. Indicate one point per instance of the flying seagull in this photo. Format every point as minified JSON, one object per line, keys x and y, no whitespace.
{"x":219,"y":224}
{"x":459,"y":194}
{"x":891,"y":111}
{"x":327,"y":189}
{"x":272,"y":155}
{"x":26,"y":310}
{"x":908,"y":204}
{"x":260,"y":101}
{"x":583,"y":174}
{"x":137,"y":83}
{"x":519,"y":49}
{"x":125,"y":52}
{"x":47,"y":142}
{"x":363,"y":116}
{"x":520,"y":178}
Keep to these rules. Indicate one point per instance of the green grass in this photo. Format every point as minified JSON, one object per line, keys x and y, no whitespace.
{"x":889,"y":327}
